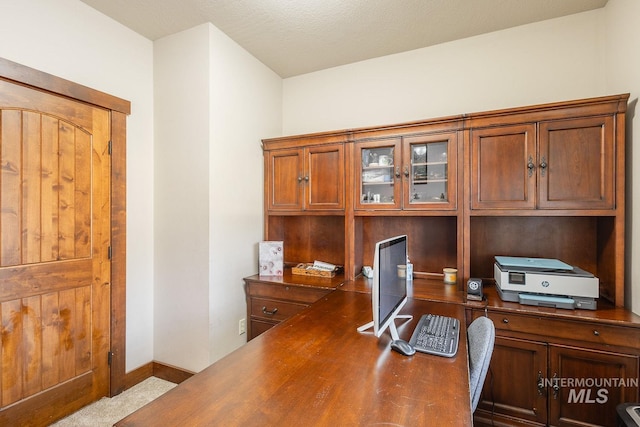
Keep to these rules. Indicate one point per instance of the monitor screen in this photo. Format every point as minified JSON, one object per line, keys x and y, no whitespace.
{"x":389,"y":291}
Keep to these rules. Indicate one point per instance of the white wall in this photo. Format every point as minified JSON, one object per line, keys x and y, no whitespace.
{"x":622,"y":40}
{"x":246,"y":106}
{"x":69,"y":39}
{"x":561,"y":59}
{"x":181,"y":191}
{"x":214,"y":102}
{"x":553,"y":60}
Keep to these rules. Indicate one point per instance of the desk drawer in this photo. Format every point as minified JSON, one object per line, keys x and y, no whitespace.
{"x":286,"y":292}
{"x":274,"y":309}
{"x":562,"y":329}
{"x":259,"y":326}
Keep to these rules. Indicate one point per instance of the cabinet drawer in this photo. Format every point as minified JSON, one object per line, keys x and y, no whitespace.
{"x":274,"y":309}
{"x":259,"y":326}
{"x":287,"y":292}
{"x":565,"y":329}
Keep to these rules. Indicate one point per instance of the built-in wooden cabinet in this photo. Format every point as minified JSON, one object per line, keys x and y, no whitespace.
{"x":548,"y":181}
{"x":558,"y":369}
{"x":561,"y":164}
{"x":306,"y":178}
{"x":407,"y":180}
{"x":270,"y":300}
{"x":415,"y":172}
{"x":539,"y":181}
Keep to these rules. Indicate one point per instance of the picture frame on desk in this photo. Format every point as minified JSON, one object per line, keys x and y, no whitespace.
{"x":271,"y":258}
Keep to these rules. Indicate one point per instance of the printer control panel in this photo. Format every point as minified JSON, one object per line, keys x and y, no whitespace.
{"x":516,"y":278}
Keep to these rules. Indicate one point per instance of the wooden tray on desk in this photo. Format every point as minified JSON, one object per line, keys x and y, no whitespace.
{"x":306,"y":269}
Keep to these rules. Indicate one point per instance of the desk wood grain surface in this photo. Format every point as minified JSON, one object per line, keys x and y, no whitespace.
{"x":316,"y":369}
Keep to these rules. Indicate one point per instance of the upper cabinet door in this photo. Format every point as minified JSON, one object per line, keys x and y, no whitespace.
{"x":503,"y":167}
{"x":576,"y":164}
{"x":285,"y":177}
{"x":324,"y":178}
{"x":379,"y":184}
{"x":430,"y":171}
{"x":309,"y":178}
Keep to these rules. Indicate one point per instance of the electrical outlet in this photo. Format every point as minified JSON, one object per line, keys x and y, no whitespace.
{"x":242,"y":326}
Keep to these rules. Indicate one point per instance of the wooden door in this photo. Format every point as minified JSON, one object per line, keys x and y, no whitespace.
{"x":576,"y":164}
{"x":593,"y":384}
{"x":54,"y":265}
{"x":324,"y":177}
{"x":511,"y":388}
{"x":503,"y":167}
{"x":285,"y":177}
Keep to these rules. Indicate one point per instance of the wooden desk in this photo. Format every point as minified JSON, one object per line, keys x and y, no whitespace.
{"x":316,"y":369}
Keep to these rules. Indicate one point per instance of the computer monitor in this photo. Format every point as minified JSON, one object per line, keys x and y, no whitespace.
{"x":389,"y":289}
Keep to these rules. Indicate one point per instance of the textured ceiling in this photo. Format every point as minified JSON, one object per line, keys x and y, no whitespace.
{"x":294,"y":37}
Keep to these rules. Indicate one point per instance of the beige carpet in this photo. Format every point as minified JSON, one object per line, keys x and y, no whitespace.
{"x":107,"y":411}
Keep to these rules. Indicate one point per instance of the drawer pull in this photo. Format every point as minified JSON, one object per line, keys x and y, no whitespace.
{"x":269,"y":312}
{"x":596,"y":333}
{"x":505,"y":320}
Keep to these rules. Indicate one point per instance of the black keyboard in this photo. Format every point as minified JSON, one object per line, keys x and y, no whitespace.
{"x":437,"y":335}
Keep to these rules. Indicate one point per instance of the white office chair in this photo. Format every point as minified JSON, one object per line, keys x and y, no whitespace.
{"x":481,"y":336}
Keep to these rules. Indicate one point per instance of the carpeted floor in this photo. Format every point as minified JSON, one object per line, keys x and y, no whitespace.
{"x":107,"y":411}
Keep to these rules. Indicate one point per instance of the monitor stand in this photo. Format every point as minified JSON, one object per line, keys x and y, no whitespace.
{"x":392,"y":326}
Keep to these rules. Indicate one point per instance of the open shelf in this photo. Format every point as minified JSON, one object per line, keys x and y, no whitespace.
{"x":431,"y":240}
{"x":309,"y":238}
{"x":582,"y":241}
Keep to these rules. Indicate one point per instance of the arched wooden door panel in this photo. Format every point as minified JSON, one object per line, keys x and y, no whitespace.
{"x":55,"y":283}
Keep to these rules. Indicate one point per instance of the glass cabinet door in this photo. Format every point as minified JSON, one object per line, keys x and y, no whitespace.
{"x":379,"y":184}
{"x":430,"y":172}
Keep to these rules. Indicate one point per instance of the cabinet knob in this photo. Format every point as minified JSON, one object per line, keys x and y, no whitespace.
{"x":505,"y":320}
{"x":540,"y":383}
{"x":299,"y":179}
{"x":306,"y":178}
{"x":397,"y":171}
{"x":530,"y":166}
{"x":406,"y":171}
{"x":596,"y":333}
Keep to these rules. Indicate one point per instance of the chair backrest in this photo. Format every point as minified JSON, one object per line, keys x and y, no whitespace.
{"x":481,"y":336}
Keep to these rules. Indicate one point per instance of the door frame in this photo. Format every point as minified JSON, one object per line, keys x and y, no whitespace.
{"x":119,"y":109}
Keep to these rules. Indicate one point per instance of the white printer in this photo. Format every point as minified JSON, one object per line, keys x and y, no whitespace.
{"x":545,"y":282}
